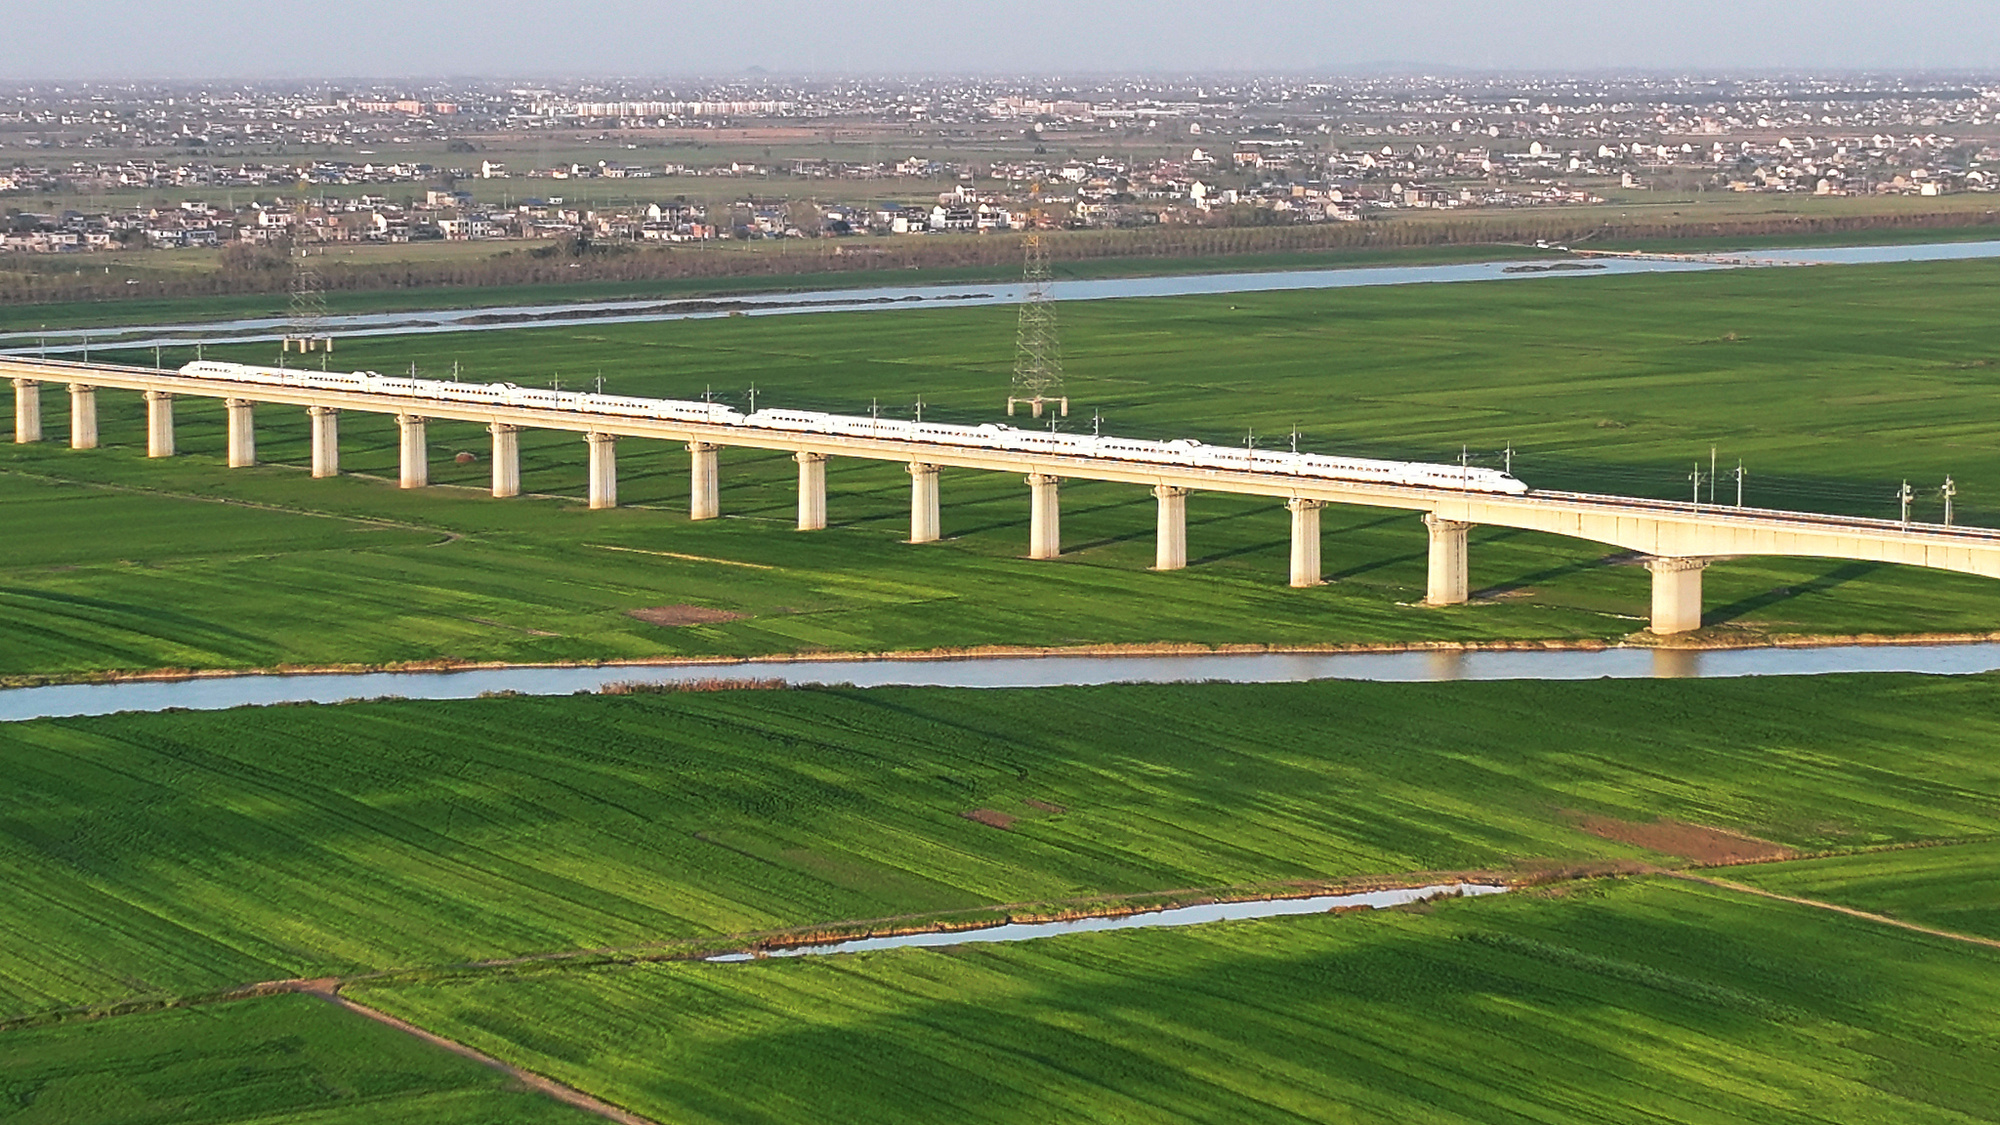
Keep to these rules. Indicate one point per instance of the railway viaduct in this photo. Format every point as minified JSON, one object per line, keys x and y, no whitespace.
{"x":1677,"y":539}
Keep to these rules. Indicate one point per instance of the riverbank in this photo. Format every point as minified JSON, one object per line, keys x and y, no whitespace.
{"x":1707,"y":641}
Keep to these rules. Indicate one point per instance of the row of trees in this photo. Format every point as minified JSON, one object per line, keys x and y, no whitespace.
{"x":252,"y":270}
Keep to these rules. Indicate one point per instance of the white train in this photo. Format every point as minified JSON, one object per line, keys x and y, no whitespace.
{"x":1191,"y":454}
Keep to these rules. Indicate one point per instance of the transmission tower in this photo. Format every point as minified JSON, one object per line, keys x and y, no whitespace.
{"x":1037,"y":352}
{"x":308,"y":311}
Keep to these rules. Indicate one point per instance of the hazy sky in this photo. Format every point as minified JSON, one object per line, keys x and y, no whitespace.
{"x":366,"y":38}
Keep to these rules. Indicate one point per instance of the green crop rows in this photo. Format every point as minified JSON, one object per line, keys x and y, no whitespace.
{"x":173,"y":854}
{"x":1833,"y":384}
{"x":1649,"y":1002}
{"x":284,"y":1058}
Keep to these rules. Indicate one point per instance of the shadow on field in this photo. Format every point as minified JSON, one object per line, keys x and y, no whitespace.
{"x":1547,"y":574}
{"x":1838,"y":576}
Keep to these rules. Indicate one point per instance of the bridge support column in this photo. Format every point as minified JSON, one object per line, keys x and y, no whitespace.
{"x":242,"y":432}
{"x":506,"y":459}
{"x":1170,"y":541}
{"x":924,"y":522}
{"x":1305,"y":541}
{"x":27,"y":411}
{"x":1676,"y":594}
{"x":82,"y":416}
{"x":325,"y":421}
{"x":159,"y":424}
{"x":1448,"y":584}
{"x":1044,"y":517}
{"x":812,"y":491}
{"x":704,"y":490}
{"x":603,"y":469}
{"x":416,"y":454}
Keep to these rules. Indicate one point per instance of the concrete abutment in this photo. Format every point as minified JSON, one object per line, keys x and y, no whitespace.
{"x":1676,"y":594}
{"x":1305,"y":541}
{"x":1170,"y":536}
{"x":27,"y":411}
{"x":704,"y":488}
{"x":924,"y":521}
{"x":506,"y":459}
{"x":242,"y":414}
{"x":82,"y":416}
{"x":1044,"y":517}
{"x":812,"y":491}
{"x":1448,"y":582}
{"x":603,"y":469}
{"x":325,"y":423}
{"x":159,"y":424}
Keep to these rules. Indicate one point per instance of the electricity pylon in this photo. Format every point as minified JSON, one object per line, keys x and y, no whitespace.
{"x":1037,"y":351}
{"x":308,"y":306}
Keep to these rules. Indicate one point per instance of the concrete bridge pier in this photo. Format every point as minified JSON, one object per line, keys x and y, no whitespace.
{"x":603,"y":469}
{"x":1676,"y":594}
{"x":924,"y":521}
{"x":1448,"y":581}
{"x":1170,"y":542}
{"x":416,"y":454}
{"x":159,"y":424}
{"x":812,"y":491}
{"x":242,"y":432}
{"x":704,"y":489}
{"x":1044,"y":517}
{"x":1305,"y":541}
{"x":506,"y":459}
{"x":82,"y":416}
{"x":27,"y":411}
{"x":325,"y":421}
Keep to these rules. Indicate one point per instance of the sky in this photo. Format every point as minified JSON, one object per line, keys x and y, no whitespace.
{"x":140,"y":39}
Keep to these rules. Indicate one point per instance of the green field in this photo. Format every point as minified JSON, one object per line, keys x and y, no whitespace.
{"x":296,"y":1059}
{"x":1629,"y":1002}
{"x":170,"y":854}
{"x":1832,"y":384}
{"x":1955,"y":887}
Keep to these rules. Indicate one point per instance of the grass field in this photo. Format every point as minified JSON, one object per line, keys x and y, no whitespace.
{"x":1650,"y":1001}
{"x":173,"y":854}
{"x":295,"y":1058}
{"x":1832,"y":385}
{"x":1954,"y":888}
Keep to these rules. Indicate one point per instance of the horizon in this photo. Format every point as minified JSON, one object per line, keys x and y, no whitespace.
{"x":235,"y":40}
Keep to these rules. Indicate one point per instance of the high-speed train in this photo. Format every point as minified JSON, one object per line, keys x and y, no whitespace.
{"x":1191,"y":454}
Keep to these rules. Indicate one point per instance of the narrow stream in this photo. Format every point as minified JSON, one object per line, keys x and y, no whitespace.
{"x":1178,"y":916}
{"x":218,"y":692}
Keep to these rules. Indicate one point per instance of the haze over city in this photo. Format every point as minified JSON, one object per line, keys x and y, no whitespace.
{"x":376,"y":38}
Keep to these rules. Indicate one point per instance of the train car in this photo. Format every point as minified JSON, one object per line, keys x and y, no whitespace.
{"x":1151,"y":452}
{"x":795,"y":421}
{"x":1049,"y":441}
{"x":941,"y":433}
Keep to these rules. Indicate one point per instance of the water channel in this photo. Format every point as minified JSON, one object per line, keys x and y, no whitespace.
{"x":1426,"y":666}
{"x":1178,"y":916}
{"x":265,"y":329}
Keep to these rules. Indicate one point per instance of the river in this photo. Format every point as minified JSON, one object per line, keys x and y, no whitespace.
{"x":266,"y":329}
{"x":1151,"y":919}
{"x":1429,"y":666}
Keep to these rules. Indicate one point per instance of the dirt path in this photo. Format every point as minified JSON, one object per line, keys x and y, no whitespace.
{"x":1852,"y":912}
{"x":568,"y":1095}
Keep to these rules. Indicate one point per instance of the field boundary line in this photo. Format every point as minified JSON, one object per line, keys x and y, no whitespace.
{"x":1850,"y":911}
{"x":569,"y":1095}
{"x":677,"y":555}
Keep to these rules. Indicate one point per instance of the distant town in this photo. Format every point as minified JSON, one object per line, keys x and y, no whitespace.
{"x":121,"y":167}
